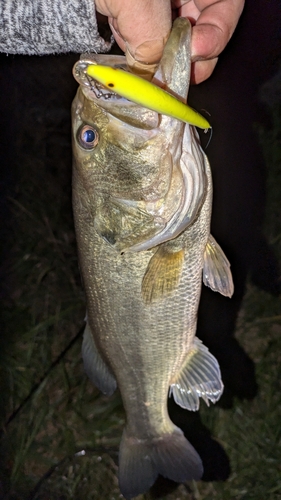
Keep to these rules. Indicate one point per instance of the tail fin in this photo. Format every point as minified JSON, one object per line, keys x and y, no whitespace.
{"x":170,"y":455}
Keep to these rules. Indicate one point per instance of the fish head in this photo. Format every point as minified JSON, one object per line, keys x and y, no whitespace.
{"x":141,"y":173}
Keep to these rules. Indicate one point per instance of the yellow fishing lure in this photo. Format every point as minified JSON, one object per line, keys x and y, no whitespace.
{"x":146,"y":94}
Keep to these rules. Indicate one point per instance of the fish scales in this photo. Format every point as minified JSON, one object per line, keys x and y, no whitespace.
{"x":122,"y":311}
{"x":142,"y":196}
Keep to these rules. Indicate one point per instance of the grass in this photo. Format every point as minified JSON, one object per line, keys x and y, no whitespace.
{"x":60,"y":436}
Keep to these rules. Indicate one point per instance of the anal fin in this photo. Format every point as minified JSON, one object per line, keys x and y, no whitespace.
{"x":199,"y":377}
{"x":162,"y":274}
{"x":94,"y":365}
{"x":216,"y":270}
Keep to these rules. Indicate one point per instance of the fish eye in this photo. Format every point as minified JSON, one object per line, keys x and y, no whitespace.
{"x":88,"y":137}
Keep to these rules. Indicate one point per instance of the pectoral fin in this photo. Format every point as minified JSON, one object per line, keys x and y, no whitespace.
{"x":199,"y":377}
{"x":216,"y":270}
{"x":95,"y":366}
{"x":162,"y":274}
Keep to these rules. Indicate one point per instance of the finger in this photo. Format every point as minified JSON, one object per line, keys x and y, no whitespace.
{"x":141,"y":27}
{"x":186,"y":8}
{"x":207,"y":42}
{"x":201,"y":70}
{"x":214,"y":21}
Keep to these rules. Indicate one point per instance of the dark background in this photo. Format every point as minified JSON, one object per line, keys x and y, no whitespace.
{"x":35,"y":159}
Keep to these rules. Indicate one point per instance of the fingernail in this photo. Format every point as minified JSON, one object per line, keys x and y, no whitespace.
{"x":144,"y":70}
{"x":148,"y":52}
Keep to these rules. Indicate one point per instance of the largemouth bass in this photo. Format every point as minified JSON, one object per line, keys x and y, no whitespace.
{"x":142,"y":196}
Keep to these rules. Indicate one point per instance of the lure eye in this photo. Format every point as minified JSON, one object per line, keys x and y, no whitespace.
{"x":88,"y":137}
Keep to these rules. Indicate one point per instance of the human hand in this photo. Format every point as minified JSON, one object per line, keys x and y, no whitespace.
{"x":213,"y":24}
{"x":141,"y":29}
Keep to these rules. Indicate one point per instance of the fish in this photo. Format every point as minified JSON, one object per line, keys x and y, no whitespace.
{"x":142,"y":200}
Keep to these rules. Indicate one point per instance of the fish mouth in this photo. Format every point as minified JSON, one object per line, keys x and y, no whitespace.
{"x":123,"y":109}
{"x":95,"y":89}
{"x":191,"y":191}
{"x":141,"y":225}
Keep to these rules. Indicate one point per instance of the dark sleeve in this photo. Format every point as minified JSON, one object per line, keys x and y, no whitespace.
{"x":49,"y":26}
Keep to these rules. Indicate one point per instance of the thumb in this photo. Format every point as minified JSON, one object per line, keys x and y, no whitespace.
{"x":141,"y":30}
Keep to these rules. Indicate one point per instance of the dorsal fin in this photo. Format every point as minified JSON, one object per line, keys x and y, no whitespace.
{"x":95,"y":367}
{"x":216,"y":270}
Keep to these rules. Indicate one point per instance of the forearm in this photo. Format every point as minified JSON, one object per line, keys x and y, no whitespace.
{"x":49,"y":26}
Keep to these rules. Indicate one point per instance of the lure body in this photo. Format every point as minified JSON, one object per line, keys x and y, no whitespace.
{"x":145,"y":93}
